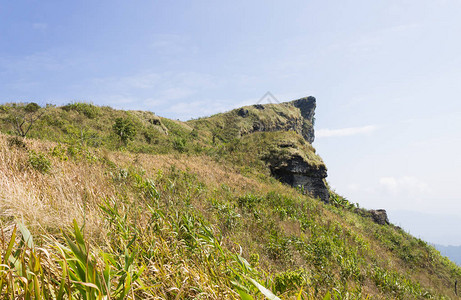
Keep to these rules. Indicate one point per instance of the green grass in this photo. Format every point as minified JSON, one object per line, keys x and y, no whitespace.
{"x":189,"y":211}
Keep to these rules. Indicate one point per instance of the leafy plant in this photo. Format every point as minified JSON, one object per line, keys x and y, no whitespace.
{"x":39,"y":162}
{"x":288,"y":280}
{"x":125,"y":129}
{"x":89,"y":110}
{"x":23,"y":117}
{"x":179,"y":143}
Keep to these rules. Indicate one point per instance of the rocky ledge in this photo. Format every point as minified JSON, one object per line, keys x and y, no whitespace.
{"x":298,"y":172}
{"x":379,"y":216}
{"x":292,"y":159}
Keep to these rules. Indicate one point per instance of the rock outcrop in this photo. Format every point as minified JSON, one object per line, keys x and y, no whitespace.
{"x":297,"y":115}
{"x":295,"y":162}
{"x":285,"y":145}
{"x":379,"y":216}
{"x":307,"y":107}
{"x":298,"y":172}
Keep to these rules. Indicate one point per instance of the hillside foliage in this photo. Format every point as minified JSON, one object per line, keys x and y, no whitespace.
{"x":186,"y":210}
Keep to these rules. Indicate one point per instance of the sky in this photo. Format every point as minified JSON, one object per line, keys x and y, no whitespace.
{"x":386,"y":75}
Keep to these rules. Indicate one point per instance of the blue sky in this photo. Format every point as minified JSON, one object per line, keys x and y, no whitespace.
{"x":386,"y":75}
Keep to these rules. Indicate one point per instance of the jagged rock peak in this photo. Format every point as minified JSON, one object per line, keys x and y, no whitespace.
{"x":307,"y":107}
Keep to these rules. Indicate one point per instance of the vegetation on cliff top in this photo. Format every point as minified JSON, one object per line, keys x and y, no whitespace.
{"x":186,"y":210}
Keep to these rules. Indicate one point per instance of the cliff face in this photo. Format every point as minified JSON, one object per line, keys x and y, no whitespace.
{"x":291,"y":160}
{"x":296,"y":163}
{"x":307,"y":108}
{"x":297,"y":172}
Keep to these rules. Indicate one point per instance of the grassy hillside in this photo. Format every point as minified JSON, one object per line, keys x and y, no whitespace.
{"x":186,"y":211}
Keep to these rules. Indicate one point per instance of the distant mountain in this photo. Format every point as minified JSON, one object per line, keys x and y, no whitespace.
{"x":452,"y":252}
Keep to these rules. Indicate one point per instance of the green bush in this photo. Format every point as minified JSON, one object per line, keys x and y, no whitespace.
{"x":125,"y":129}
{"x":60,"y":152}
{"x":249,"y":201}
{"x":39,"y":162}
{"x":89,"y":110}
{"x":288,"y":280}
{"x":32,"y":107}
{"x":4,"y":108}
{"x":179,"y":144}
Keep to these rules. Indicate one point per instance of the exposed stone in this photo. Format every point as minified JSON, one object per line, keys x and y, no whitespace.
{"x":243,"y":112}
{"x":379,"y":216}
{"x":279,"y":117}
{"x":307,"y":107}
{"x":258,"y":127}
{"x":297,"y":172}
{"x":155,"y":121}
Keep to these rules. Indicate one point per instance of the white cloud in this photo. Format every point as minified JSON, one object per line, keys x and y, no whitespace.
{"x":345,"y":131}
{"x":176,"y":93}
{"x":163,"y":82}
{"x":406,"y":185}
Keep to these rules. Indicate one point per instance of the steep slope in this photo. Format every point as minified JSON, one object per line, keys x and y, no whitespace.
{"x":452,"y":252}
{"x":192,"y":210}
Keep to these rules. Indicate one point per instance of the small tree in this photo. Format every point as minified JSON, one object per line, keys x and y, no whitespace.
{"x":125,"y":129}
{"x":23,"y":117}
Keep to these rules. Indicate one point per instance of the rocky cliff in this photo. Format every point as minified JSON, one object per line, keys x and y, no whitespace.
{"x":296,"y":163}
{"x":286,"y":146}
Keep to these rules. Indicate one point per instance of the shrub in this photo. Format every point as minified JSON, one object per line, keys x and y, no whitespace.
{"x":151,"y":137}
{"x":39,"y":162}
{"x":16,"y":142}
{"x":4,"y":108}
{"x":179,"y":144}
{"x":125,"y":129}
{"x":32,"y":107}
{"x":339,"y":201}
{"x":60,"y":152}
{"x":249,"y":201}
{"x":23,"y":117}
{"x":288,"y":280}
{"x":89,"y":110}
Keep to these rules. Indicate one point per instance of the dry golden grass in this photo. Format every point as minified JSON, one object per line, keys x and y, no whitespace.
{"x":75,"y":189}
{"x":72,"y":190}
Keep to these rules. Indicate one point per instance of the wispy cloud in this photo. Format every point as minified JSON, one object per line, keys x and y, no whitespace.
{"x":167,"y":92}
{"x":406,"y":185}
{"x":172,"y":44}
{"x":345,"y":131}
{"x":39,"y":61}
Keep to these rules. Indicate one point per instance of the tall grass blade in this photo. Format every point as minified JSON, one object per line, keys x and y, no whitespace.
{"x":244,"y":295}
{"x":269,"y":295}
{"x":26,"y":235}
